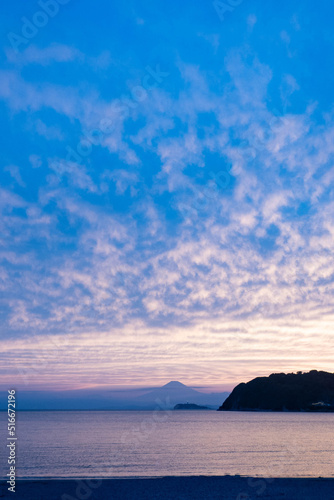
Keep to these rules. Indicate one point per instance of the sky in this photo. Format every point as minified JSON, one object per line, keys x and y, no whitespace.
{"x":166,"y":192}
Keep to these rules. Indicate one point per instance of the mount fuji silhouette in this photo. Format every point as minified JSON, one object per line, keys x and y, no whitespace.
{"x":174,"y":393}
{"x":165,"y":397}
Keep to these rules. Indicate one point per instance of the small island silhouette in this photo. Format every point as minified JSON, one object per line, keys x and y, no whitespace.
{"x":190,"y":406}
{"x":311,"y":391}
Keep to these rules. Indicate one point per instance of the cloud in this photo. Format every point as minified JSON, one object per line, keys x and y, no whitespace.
{"x":57,"y":53}
{"x":212,"y":267}
{"x":14,"y":172}
{"x":190,"y":230}
{"x":53,"y":53}
{"x":210,"y":353}
{"x":49,"y":132}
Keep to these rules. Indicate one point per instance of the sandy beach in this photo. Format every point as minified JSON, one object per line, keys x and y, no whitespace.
{"x":176,"y":488}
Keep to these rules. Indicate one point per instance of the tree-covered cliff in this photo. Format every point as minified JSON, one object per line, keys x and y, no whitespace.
{"x":312,"y":391}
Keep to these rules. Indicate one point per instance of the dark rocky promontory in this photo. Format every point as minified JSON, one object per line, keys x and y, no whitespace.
{"x":190,"y":406}
{"x":312,"y":391}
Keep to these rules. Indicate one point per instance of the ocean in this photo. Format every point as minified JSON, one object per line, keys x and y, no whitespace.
{"x":80,"y":444}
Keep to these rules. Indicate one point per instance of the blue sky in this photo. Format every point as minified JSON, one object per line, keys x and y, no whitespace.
{"x":166,"y":191}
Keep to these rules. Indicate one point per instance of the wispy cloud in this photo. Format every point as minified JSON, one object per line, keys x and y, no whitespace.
{"x":165,"y":217}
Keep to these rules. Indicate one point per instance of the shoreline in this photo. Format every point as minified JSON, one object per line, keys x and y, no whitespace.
{"x":172,"y":487}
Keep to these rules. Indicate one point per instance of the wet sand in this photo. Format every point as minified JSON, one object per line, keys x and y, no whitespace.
{"x":176,"y":488}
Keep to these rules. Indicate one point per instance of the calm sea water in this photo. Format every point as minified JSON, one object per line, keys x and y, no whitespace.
{"x":124,"y":444}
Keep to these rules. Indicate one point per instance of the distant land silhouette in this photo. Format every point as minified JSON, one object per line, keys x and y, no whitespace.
{"x":165,"y":397}
{"x":175,"y":392}
{"x":190,"y":406}
{"x":312,"y":391}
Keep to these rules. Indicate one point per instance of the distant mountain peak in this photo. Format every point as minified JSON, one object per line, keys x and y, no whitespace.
{"x":175,"y":392}
{"x":174,"y":383}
